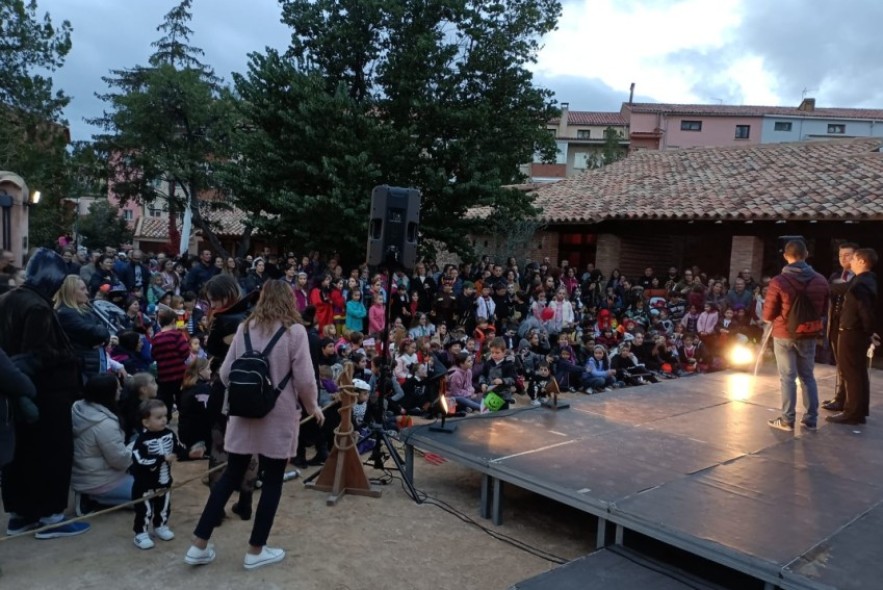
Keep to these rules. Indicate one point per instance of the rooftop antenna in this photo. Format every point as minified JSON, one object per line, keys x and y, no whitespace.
{"x":807,"y":91}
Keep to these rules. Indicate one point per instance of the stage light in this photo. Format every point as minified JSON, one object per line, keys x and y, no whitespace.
{"x":441,"y":407}
{"x":740,"y":356}
{"x":35,"y":198}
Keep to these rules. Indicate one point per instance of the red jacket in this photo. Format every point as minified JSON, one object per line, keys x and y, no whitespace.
{"x":783,"y":290}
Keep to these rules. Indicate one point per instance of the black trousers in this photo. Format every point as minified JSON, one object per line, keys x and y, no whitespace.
{"x":37,"y":481}
{"x":231,"y":480}
{"x":840,"y":386}
{"x":156,"y":510}
{"x":852,"y":347}
{"x":170,"y":393}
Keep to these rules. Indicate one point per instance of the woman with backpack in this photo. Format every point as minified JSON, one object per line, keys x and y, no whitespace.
{"x":273,"y":437}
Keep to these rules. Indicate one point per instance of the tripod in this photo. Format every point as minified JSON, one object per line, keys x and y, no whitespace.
{"x":383,"y":389}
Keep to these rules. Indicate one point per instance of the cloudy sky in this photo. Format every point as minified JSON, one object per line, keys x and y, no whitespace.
{"x":690,"y":51}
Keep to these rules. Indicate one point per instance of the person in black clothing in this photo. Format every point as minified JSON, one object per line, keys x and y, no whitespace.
{"x":37,"y":481}
{"x":153,"y":453}
{"x":135,"y":274}
{"x":856,"y":334}
{"x":200,"y":273}
{"x":17,"y":395}
{"x":845,"y":254}
{"x":86,"y":332}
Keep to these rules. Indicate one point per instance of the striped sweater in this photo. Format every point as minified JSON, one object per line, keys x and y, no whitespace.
{"x":170,"y":350}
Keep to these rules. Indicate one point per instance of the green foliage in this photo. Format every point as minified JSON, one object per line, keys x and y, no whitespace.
{"x":33,"y":132}
{"x":103,"y":226}
{"x":433,"y":95}
{"x":612,"y":151}
{"x":166,"y":124}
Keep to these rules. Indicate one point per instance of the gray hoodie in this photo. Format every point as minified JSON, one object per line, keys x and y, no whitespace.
{"x":101,"y":457}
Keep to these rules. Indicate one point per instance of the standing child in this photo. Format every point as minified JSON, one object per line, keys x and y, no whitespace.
{"x":171,"y":351}
{"x":140,"y":387}
{"x":155,"y":449}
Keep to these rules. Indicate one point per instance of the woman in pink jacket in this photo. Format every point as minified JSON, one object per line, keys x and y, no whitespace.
{"x":274,"y":437}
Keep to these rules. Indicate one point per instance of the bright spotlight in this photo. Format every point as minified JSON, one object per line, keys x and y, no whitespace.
{"x":740,"y":355}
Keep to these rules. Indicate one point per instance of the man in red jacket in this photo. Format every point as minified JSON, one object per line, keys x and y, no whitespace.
{"x":795,"y":357}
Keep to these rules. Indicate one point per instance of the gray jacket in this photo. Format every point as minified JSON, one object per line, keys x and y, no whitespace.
{"x":100,"y":454}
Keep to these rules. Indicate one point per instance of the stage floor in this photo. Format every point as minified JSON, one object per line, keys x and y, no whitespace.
{"x":691,"y":462}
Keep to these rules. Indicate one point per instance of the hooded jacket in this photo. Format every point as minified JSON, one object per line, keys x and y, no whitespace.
{"x":101,"y":458}
{"x":783,"y":291}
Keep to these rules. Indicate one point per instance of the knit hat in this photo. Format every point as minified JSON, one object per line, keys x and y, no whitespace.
{"x":468,"y":285}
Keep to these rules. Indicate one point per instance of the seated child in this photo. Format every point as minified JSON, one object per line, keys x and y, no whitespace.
{"x":498,"y":372}
{"x":460,"y":387}
{"x":628,"y":369}
{"x":599,"y":375}
{"x":538,"y":382}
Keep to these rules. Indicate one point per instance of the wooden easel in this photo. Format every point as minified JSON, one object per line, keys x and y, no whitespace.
{"x":343,"y":472}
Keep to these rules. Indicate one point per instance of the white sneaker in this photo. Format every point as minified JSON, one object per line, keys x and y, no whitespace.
{"x":197,"y":556}
{"x":536,"y":402}
{"x":164,"y":533}
{"x":267,"y":556}
{"x":143,"y":541}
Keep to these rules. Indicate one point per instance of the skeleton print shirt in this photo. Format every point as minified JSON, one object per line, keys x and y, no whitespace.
{"x":149,"y":466}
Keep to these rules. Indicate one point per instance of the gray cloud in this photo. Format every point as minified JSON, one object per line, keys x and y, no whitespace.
{"x":587,"y":94}
{"x":827,"y":48}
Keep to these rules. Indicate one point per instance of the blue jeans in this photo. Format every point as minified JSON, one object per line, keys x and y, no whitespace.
{"x":120,"y":494}
{"x":795,"y":359}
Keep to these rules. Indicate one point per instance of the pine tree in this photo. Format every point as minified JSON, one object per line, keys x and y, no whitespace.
{"x":168,"y":121}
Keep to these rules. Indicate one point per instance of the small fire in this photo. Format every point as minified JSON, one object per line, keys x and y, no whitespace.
{"x":443,"y":399}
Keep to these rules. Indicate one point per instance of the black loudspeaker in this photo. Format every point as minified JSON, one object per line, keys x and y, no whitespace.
{"x":392,"y":229}
{"x":783,"y":241}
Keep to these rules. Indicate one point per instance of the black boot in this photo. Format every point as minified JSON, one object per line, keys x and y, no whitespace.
{"x":321,"y":454}
{"x":243,"y":506}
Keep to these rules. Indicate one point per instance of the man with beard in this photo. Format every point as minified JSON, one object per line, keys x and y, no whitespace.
{"x":37,"y":481}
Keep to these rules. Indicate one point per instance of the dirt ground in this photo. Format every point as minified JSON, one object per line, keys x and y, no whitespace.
{"x":388,"y":542}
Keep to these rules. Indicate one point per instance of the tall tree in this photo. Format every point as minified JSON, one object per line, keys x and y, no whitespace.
{"x":33,"y":132}
{"x":433,"y":94}
{"x":168,"y":122}
{"x":103,"y":226}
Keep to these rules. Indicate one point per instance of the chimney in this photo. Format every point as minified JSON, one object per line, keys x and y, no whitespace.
{"x":808,"y":105}
{"x":563,"y":121}
{"x":631,"y":93}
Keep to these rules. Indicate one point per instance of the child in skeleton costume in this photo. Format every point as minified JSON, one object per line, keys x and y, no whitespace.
{"x":155,"y":449}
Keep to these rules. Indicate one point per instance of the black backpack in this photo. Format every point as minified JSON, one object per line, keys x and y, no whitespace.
{"x":803,"y":320}
{"x":250,"y":391}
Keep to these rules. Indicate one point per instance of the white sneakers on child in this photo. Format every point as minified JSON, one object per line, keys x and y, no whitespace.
{"x":197,"y":556}
{"x":143,"y":541}
{"x":267,"y":556}
{"x":164,"y":533}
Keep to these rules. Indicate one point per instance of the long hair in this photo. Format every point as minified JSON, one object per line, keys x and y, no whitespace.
{"x":276,"y":304}
{"x":102,"y":390}
{"x":191,"y":375}
{"x":67,"y":294}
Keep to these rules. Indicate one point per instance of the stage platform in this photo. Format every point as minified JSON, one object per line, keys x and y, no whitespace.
{"x":692,"y":463}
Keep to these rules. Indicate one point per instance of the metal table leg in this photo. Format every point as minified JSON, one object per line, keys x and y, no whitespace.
{"x":497,"y":502}
{"x":409,"y":462}
{"x":601,"y":533}
{"x":485,"y":507}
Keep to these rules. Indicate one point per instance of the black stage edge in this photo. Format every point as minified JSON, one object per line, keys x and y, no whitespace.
{"x":692,"y":463}
{"x":614,"y":568}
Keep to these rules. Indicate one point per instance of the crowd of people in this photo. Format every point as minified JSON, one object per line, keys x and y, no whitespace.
{"x":118,"y":343}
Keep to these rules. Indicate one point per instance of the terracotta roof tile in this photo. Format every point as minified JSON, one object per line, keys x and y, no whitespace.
{"x":225,"y":223}
{"x":724,"y":110}
{"x":597,"y":118}
{"x":837,"y":179}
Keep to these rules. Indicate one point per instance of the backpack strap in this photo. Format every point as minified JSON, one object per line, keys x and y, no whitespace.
{"x":248,"y":347}
{"x":273,"y":341}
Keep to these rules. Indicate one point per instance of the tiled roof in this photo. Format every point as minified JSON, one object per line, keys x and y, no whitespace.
{"x":593,"y":118}
{"x":824,"y":180}
{"x":724,"y":110}
{"x":225,"y":223}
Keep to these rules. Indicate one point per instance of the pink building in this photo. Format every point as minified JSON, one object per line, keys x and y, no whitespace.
{"x":672,"y":126}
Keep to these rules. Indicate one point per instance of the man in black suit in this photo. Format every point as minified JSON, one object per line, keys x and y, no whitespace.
{"x":856,"y":333}
{"x":845,"y":254}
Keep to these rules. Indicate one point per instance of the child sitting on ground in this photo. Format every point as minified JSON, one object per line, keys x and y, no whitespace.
{"x":460,"y":387}
{"x":599,"y":375}
{"x":498,"y":373}
{"x":155,"y":449}
{"x":539,"y":381}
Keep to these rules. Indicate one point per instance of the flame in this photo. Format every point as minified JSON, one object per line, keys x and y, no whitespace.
{"x":741,"y":355}
{"x":443,"y":399}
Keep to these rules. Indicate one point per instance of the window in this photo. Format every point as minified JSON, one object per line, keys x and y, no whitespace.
{"x":743,"y":131}
{"x":583,"y":133}
{"x":552,"y":132}
{"x":839,"y":129}
{"x":691,"y":125}
{"x":782,"y":126}
{"x":127,"y":214}
{"x":155,"y":212}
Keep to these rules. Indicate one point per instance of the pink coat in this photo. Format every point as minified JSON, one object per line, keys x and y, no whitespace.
{"x":274,"y":435}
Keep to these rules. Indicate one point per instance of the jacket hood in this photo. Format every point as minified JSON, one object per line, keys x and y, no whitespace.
{"x":799,"y":270}
{"x":86,"y":415}
{"x":45,"y":272}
